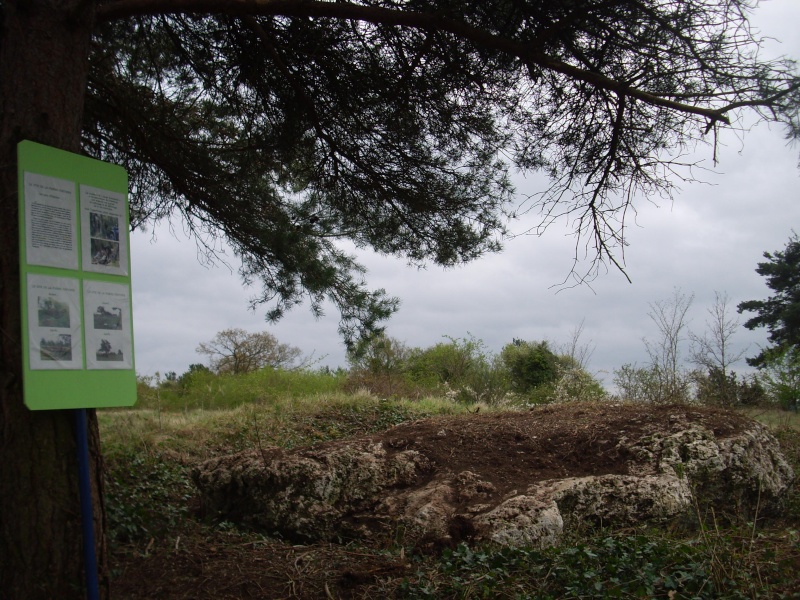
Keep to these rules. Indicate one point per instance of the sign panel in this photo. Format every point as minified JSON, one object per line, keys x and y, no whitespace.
{"x":74,"y":281}
{"x":107,"y":307}
{"x":102,"y":215}
{"x":50,"y":222}
{"x":54,"y":322}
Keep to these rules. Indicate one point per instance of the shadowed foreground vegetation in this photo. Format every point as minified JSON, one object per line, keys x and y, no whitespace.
{"x":155,"y":520}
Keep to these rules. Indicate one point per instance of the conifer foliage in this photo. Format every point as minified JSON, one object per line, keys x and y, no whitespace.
{"x":286,"y":126}
{"x":780,"y":313}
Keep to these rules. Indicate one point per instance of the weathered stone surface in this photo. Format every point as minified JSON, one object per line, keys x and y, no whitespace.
{"x":303,"y":494}
{"x":492,"y":478}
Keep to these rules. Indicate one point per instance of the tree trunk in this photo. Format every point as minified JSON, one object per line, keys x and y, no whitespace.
{"x":44,"y":49}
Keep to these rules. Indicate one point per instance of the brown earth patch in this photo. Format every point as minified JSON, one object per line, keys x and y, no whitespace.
{"x":549,"y":442}
{"x":206,"y":565}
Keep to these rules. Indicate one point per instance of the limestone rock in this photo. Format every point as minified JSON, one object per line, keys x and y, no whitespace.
{"x":303,"y":494}
{"x":512,"y":478}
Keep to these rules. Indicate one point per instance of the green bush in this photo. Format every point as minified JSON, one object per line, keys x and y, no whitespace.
{"x":650,"y":384}
{"x":529,"y":365}
{"x":462,"y":368}
{"x":452,"y":362}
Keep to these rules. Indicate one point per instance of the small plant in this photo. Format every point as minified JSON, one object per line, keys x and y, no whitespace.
{"x":146,"y":498}
{"x":607,"y":566}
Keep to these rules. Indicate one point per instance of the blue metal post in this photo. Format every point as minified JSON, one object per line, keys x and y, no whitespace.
{"x":87,"y":516}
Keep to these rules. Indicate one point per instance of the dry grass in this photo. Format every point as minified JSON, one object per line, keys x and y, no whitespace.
{"x":289,"y":422}
{"x":774,"y":418}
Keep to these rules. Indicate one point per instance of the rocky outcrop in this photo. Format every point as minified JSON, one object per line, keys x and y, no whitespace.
{"x":513,"y":478}
{"x":305,"y":494}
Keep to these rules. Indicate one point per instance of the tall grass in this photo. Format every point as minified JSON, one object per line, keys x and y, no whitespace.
{"x":284,"y":421}
{"x":211,"y":391}
{"x":774,"y":417}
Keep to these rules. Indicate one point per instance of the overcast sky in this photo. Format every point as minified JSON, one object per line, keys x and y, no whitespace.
{"x":710,"y":238}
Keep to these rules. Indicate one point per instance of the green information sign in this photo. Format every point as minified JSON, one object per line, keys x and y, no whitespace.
{"x":77,"y":322}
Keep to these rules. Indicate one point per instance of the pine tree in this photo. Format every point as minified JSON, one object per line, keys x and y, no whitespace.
{"x":779,"y":313}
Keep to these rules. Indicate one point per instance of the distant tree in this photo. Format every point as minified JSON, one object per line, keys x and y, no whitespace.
{"x":236,"y":351}
{"x":663,"y":379}
{"x":664,"y":351}
{"x":379,"y":365}
{"x":639,"y":384}
{"x":713,"y":352}
{"x":780,"y":376}
{"x":779,"y":313}
{"x":194,"y":369}
{"x":379,"y":355}
{"x":197,"y":368}
{"x":578,"y":351}
{"x":713,"y":349}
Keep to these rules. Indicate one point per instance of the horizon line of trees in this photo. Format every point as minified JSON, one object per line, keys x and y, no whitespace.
{"x":542,"y":371}
{"x":523,"y":372}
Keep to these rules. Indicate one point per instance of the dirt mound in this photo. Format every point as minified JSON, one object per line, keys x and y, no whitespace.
{"x":513,"y":477}
{"x":513,"y":449}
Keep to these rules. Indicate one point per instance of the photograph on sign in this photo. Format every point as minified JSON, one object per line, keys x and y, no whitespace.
{"x":51,"y":222}
{"x":103,"y":231}
{"x":107,"y":316}
{"x":54,"y":323}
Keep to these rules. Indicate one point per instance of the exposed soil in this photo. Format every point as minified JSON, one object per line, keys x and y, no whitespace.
{"x":513,"y":449}
{"x":502,"y":448}
{"x":206,"y":565}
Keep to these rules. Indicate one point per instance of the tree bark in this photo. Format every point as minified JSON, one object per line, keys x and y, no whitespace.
{"x":44,"y":49}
